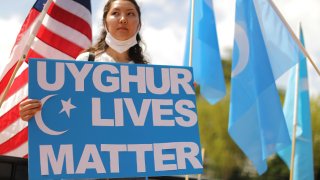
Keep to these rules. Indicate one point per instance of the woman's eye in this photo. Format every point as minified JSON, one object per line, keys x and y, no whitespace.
{"x":115,"y":13}
{"x":131,"y":14}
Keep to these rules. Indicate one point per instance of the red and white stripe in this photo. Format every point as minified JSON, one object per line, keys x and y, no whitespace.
{"x":64,"y":32}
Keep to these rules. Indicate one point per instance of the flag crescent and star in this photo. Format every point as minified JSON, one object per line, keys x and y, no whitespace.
{"x":67,"y":106}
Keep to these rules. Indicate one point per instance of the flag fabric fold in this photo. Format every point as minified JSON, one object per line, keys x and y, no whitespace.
{"x":256,"y":120}
{"x":64,"y":32}
{"x":303,"y":161}
{"x":206,"y":61}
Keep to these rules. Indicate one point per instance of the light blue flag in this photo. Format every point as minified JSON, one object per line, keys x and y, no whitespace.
{"x":206,"y":61}
{"x":263,"y":51}
{"x":303,"y":162}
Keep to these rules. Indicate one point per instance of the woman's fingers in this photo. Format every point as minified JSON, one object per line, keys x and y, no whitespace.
{"x":29,"y":101}
{"x":29,"y":113}
{"x":29,"y":108}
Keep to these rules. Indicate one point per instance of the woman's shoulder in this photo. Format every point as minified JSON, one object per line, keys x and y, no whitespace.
{"x":102,"y":57}
{"x":83,"y":56}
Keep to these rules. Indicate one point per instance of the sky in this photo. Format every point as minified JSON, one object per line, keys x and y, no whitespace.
{"x":164,"y":24}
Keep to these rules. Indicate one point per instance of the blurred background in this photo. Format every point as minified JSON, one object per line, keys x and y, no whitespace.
{"x":164,"y":33}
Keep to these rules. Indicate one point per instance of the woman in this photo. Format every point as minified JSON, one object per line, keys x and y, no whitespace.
{"x":119,"y":41}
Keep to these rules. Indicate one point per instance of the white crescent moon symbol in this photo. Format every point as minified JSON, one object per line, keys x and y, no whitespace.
{"x":40,"y":123}
{"x":242,"y":41}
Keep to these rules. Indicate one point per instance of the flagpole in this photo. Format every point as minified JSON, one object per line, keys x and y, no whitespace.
{"x":295,"y":119}
{"x":191,"y":44}
{"x":18,"y":65}
{"x":295,"y":37}
{"x":25,"y":50}
{"x":191,"y":33}
{"x":202,"y":153}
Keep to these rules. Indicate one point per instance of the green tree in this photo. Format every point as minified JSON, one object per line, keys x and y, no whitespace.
{"x":315,"y":115}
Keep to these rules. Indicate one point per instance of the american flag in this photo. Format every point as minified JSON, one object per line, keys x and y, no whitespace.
{"x":63,"y":33}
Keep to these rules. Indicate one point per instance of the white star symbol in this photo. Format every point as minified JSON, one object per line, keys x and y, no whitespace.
{"x":66,"y":107}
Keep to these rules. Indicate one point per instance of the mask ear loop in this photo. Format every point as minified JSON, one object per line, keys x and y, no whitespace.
{"x":138,"y":30}
{"x":105,"y":27}
{"x":139,"y":27}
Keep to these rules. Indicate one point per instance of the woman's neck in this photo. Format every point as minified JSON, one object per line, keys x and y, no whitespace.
{"x":118,"y":57}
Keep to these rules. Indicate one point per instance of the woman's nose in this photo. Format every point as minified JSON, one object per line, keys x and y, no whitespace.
{"x":123,"y":20}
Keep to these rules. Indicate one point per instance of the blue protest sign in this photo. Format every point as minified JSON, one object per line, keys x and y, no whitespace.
{"x":110,"y":120}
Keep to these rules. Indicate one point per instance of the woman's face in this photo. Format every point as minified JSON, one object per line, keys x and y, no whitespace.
{"x":122,"y":20}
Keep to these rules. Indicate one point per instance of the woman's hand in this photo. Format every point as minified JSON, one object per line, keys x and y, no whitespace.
{"x":28,"y":108}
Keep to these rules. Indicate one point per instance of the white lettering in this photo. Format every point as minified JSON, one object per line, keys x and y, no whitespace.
{"x":182,"y":155}
{"x":158,"y":112}
{"x":165,"y":85}
{"x":79,"y":76}
{"x":118,"y":112}
{"x":186,"y":112}
{"x":159,"y":157}
{"x":65,"y":155}
{"x":42,"y":76}
{"x":114,"y":150}
{"x":166,"y":157}
{"x":138,"y":119}
{"x":140,"y":150}
{"x":113,"y":81}
{"x":139,"y":78}
{"x":96,"y":114}
{"x":162,"y":112}
{"x":107,"y":78}
{"x":183,"y":81}
{"x":90,"y":150}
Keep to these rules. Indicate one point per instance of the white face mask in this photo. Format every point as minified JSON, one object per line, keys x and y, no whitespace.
{"x":120,"y":46}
